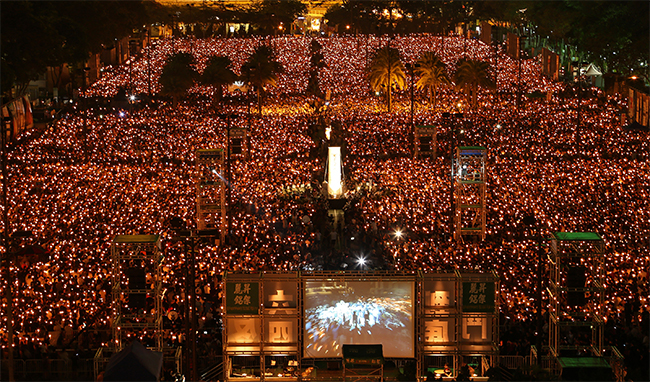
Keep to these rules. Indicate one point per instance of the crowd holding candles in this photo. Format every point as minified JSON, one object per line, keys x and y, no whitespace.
{"x":109,"y":171}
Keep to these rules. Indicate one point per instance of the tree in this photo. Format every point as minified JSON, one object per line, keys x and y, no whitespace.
{"x":217,"y":73}
{"x":261,"y":69}
{"x":366,"y":16}
{"x":177,"y":76}
{"x":387,"y":72}
{"x":36,"y":35}
{"x":612,"y":34}
{"x":402,"y":16}
{"x":472,"y":74}
{"x":269,"y":15}
{"x":432,"y":73}
{"x":29,"y":42}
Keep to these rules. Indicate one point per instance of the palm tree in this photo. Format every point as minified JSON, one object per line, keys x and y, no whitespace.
{"x":387,"y":72}
{"x":472,"y":74}
{"x":217,"y":73}
{"x":177,"y":76}
{"x":261,"y":70}
{"x":432,"y":73}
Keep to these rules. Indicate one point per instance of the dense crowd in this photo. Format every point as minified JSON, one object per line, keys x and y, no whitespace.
{"x":105,"y":172}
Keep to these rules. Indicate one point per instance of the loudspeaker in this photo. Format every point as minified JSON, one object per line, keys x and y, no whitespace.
{"x":576,"y":278}
{"x":236,"y":146}
{"x":137,"y":280}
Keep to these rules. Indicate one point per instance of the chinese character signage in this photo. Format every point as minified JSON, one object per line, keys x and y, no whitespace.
{"x":281,"y":332}
{"x":244,"y":330}
{"x":280,"y":296}
{"x":476,"y":329}
{"x":439,"y":330}
{"x":242,"y":298}
{"x":478,"y":297}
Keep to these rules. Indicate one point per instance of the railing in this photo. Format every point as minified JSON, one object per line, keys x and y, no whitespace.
{"x":50,"y":369}
{"x":214,"y":372}
{"x":617,"y":362}
{"x":485,"y":364}
{"x":513,"y":361}
{"x":533,"y":355}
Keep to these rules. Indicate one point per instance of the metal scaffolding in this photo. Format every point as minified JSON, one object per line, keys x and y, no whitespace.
{"x":272,"y":324}
{"x":455,"y":321}
{"x":137,"y":295}
{"x":576,"y":294}
{"x":211,"y":191}
{"x":468,"y":173}
{"x":459,"y":319}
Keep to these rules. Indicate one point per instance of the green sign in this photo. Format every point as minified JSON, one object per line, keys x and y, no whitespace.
{"x":242,"y":298}
{"x":478,"y":297}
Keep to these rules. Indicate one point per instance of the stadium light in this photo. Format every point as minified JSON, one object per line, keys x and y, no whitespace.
{"x":361,"y":261}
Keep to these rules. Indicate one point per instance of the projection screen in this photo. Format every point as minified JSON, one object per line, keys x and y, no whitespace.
{"x":359,"y":313}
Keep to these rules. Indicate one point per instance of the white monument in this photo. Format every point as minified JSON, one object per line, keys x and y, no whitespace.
{"x":334,"y":173}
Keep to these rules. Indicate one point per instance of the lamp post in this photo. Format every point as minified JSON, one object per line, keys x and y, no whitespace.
{"x":191,"y":239}
{"x":7,"y":263}
{"x":190,"y":320}
{"x":85,"y":107}
{"x":522,"y":36}
{"x":174,"y":16}
{"x":131,"y":58}
{"x":7,"y":242}
{"x":411,"y":68}
{"x":452,"y":132}
{"x":519,"y":84}
{"x":496,"y":70}
{"x":149,"y":59}
{"x":228,"y":117}
{"x":590,"y":72}
{"x":246,"y":71}
{"x":531,"y":222}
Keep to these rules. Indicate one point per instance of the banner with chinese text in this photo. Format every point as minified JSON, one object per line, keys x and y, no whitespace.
{"x":478,"y":297}
{"x":242,"y":298}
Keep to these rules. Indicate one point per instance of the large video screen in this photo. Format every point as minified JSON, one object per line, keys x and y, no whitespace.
{"x":358,"y":313}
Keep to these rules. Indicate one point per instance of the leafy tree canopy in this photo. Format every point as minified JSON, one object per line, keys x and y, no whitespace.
{"x":405,"y":16}
{"x":268,"y":15}
{"x":613,"y":34}
{"x":38,"y":34}
{"x":178,"y":75}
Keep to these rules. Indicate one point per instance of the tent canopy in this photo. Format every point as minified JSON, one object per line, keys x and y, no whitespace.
{"x":134,"y":363}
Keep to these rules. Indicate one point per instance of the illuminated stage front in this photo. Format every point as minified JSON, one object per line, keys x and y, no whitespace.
{"x":276,"y":319}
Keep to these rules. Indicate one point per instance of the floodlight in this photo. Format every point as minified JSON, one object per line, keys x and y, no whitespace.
{"x":361,"y":261}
